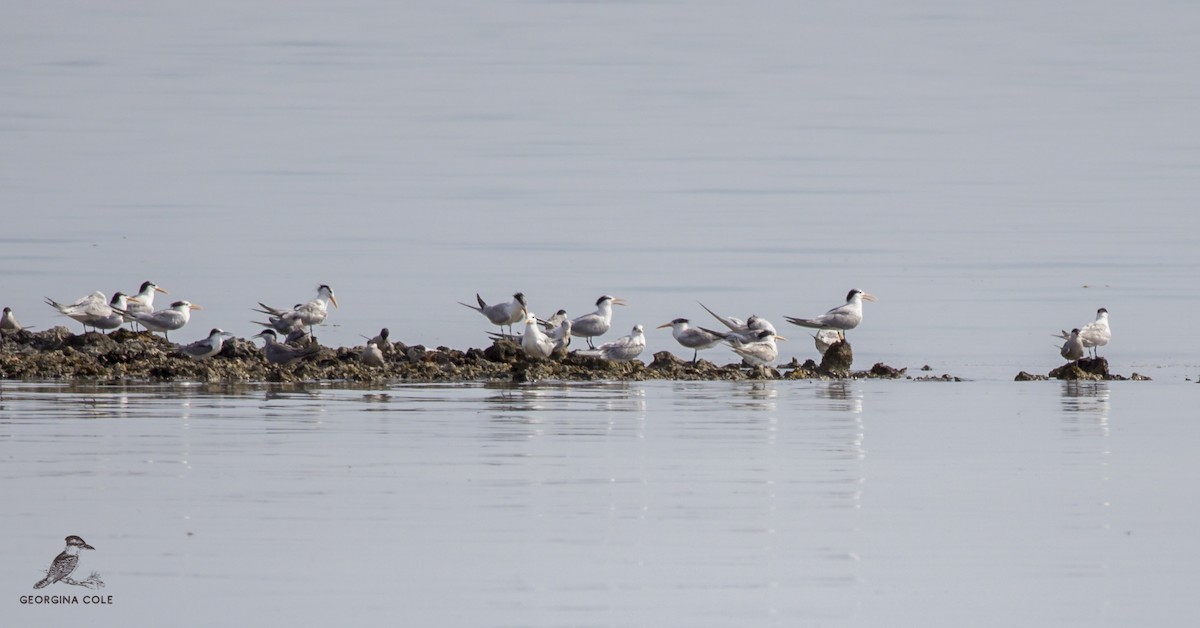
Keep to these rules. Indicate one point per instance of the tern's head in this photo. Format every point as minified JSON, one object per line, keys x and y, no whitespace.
{"x":325,"y":291}
{"x":74,"y":541}
{"x":118,"y":298}
{"x":150,"y":286}
{"x":7,"y":310}
{"x":267,"y":334}
{"x":609,"y":299}
{"x":678,"y":321}
{"x":638,"y":330}
{"x":384,"y":333}
{"x":217,"y":331}
{"x":856,"y":292}
{"x":519,"y":297}
{"x":1075,"y":332}
{"x":561,"y":313}
{"x":185,"y":305}
{"x":1102,"y":312}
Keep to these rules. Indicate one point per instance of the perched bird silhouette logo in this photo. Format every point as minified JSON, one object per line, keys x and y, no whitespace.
{"x":64,"y":565}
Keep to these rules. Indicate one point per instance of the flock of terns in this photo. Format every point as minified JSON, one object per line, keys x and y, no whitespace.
{"x":754,"y":339}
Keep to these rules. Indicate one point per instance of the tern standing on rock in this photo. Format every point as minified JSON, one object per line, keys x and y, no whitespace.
{"x":371,"y":355}
{"x":206,"y":348}
{"x":693,"y":338}
{"x":143,"y":301}
{"x":9,"y":322}
{"x":534,"y":341}
{"x":1095,"y":334}
{"x":312,"y":313}
{"x":279,"y":353}
{"x":168,"y":320}
{"x":1072,"y":349}
{"x":841,"y":318}
{"x":501,"y":314}
{"x":597,"y":323}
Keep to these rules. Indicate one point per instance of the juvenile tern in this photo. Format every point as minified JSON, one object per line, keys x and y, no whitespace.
{"x":283,"y":354}
{"x":1072,"y":349}
{"x":841,"y":318}
{"x":372,"y":355}
{"x":168,"y":320}
{"x":502,"y":314}
{"x":597,"y":323}
{"x":534,"y":341}
{"x":622,"y":349}
{"x":206,"y":348}
{"x":693,"y":338}
{"x":561,"y":335}
{"x":312,"y":313}
{"x":143,"y":301}
{"x":825,"y":338}
{"x":9,"y":322}
{"x":1095,"y":334}
{"x":759,"y":350}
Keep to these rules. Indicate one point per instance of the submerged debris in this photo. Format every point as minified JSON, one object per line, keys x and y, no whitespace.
{"x":124,"y":355}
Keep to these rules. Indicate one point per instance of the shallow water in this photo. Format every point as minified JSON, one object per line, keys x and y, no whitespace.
{"x":832,"y":503}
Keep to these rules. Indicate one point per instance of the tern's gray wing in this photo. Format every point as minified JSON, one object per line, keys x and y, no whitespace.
{"x":698,"y":338}
{"x":589,"y":325}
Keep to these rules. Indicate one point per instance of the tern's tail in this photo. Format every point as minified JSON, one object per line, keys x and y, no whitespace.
{"x":477,"y":309}
{"x":803,"y":322}
{"x":724,"y":321}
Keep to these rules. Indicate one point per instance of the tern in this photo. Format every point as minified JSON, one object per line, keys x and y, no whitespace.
{"x":552,"y":323}
{"x":825,"y":338}
{"x":502,"y":314}
{"x":534,"y":341}
{"x":622,"y":349}
{"x":1095,"y":334}
{"x":1072,"y":349}
{"x":597,"y":323}
{"x":168,"y":320}
{"x":279,"y":353}
{"x":143,"y":301}
{"x":561,"y":335}
{"x":759,"y":350}
{"x":93,"y":311}
{"x":746,"y":329}
{"x":381,"y":341}
{"x":312,"y":313}
{"x":371,"y":354}
{"x":693,"y":338}
{"x":9,"y":322}
{"x":206,"y":348}
{"x":841,"y":318}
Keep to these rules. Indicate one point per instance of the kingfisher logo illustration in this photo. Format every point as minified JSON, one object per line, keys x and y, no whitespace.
{"x":65,"y":566}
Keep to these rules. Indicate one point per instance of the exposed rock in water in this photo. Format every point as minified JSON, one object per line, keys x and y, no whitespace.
{"x":837,"y":359}
{"x":1083,"y":369}
{"x":126,"y":355}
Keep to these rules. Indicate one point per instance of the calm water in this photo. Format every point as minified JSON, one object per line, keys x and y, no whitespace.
{"x":993,"y":172}
{"x":789,"y":503}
